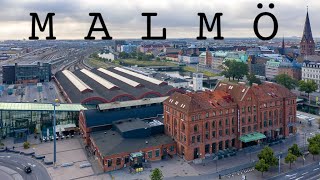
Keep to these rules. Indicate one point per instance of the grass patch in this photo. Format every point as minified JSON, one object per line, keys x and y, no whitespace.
{"x":97,"y":63}
{"x":133,"y":62}
{"x":193,"y":70}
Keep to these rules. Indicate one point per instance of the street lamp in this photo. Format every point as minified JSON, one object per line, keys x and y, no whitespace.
{"x":55,"y":103}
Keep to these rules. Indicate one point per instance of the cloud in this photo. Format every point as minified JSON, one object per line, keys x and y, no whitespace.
{"x":123,"y":17}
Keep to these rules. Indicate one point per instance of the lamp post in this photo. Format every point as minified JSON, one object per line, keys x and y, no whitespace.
{"x":55,"y":103}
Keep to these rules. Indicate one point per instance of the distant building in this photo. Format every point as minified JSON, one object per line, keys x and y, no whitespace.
{"x":32,"y":73}
{"x":197,"y":81}
{"x":272,"y":69}
{"x":307,"y":44}
{"x":206,"y":58}
{"x":292,"y":69}
{"x":311,"y":71}
{"x":128,"y":48}
{"x":218,"y":58}
{"x":117,"y":44}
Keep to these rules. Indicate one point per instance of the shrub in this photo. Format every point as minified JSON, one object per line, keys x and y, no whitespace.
{"x":26,"y":145}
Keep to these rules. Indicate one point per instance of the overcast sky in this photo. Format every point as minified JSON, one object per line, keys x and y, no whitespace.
{"x":123,"y":17}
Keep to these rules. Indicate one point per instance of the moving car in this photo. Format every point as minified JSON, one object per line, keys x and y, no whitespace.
{"x":27,"y":169}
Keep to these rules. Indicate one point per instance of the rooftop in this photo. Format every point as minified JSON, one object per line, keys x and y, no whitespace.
{"x":139,"y":102}
{"x":111,"y":142}
{"x":42,"y":107}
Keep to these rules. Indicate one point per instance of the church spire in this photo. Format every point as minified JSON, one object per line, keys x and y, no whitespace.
{"x":307,"y":45}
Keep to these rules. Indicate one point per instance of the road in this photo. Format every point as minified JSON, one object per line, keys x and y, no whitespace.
{"x":309,"y":172}
{"x":17,"y":163}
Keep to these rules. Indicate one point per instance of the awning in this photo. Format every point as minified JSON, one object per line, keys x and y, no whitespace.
{"x":252,"y":137}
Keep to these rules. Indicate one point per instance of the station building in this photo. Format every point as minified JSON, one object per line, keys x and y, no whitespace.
{"x":109,"y":85}
{"x":232,"y":116}
{"x":31,"y":73}
{"x":126,"y":134}
{"x":20,"y":119}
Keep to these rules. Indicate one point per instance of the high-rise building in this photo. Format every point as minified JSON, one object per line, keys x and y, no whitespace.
{"x":307,"y":44}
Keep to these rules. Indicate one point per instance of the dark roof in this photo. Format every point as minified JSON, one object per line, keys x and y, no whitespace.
{"x":99,"y":118}
{"x":113,"y":143}
{"x":130,"y":124}
{"x":100,"y":93}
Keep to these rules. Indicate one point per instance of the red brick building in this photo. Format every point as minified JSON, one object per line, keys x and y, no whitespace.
{"x":232,"y":115}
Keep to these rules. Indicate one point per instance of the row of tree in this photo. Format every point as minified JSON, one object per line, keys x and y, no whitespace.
{"x":136,"y":55}
{"x":267,"y":158}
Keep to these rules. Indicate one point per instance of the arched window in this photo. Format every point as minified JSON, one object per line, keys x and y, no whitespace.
{"x":183,"y":127}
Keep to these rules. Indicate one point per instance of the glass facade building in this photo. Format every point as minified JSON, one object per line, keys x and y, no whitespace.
{"x":32,"y":117}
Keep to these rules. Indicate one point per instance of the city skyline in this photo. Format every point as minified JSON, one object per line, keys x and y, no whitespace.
{"x":72,"y":20}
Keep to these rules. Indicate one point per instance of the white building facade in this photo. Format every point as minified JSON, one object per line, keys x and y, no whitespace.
{"x":311,"y":71}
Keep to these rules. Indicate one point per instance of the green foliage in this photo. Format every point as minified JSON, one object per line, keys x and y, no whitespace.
{"x":314,"y":145}
{"x":308,"y":86}
{"x":286,"y":81}
{"x":268,"y":155}
{"x":291,"y":158}
{"x":156,"y":174}
{"x":233,"y":69}
{"x":253,"y":79}
{"x":294,"y":149}
{"x":26,"y":145}
{"x":262,"y":166}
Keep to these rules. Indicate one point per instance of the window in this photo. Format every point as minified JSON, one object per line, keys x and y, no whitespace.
{"x":214,"y":147}
{"x":183,"y":128}
{"x":264,"y":123}
{"x":243,"y":120}
{"x":249,"y":109}
{"x":227,"y":111}
{"x":232,"y":110}
{"x":192,"y":118}
{"x":233,"y":130}
{"x":109,"y":162}
{"x":199,"y":116}
{"x":213,"y":134}
{"x":254,"y":108}
{"x":254,"y":118}
{"x":220,"y":112}
{"x":207,"y":115}
{"x":243,"y":109}
{"x":220,"y":123}
{"x":227,"y":121}
{"x":233,"y":122}
{"x":213,"y":124}
{"x":198,"y":138}
{"x":220,"y":133}
{"x":157,"y":152}
{"x":150,"y":154}
{"x":193,"y":139}
{"x":255,"y":127}
{"x":243,"y":130}
{"x":126,"y":159}
{"x":214,"y":113}
{"x":226,"y":144}
{"x":270,"y":122}
{"x":118,"y":162}
{"x":171,"y":148}
{"x":249,"y":129}
{"x":195,"y":128}
{"x":207,"y":125}
{"x":207,"y":148}
{"x":227,"y":131}
{"x":207,"y":135}
{"x":249,"y":119}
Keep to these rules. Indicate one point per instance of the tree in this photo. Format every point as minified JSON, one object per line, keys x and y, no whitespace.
{"x":291,"y":158}
{"x":314,"y":149}
{"x":294,"y":149}
{"x":308,"y":87}
{"x":156,"y":174}
{"x":268,"y":155}
{"x":253,"y":79}
{"x":234,"y":69}
{"x":286,"y":81}
{"x":262,"y":166}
